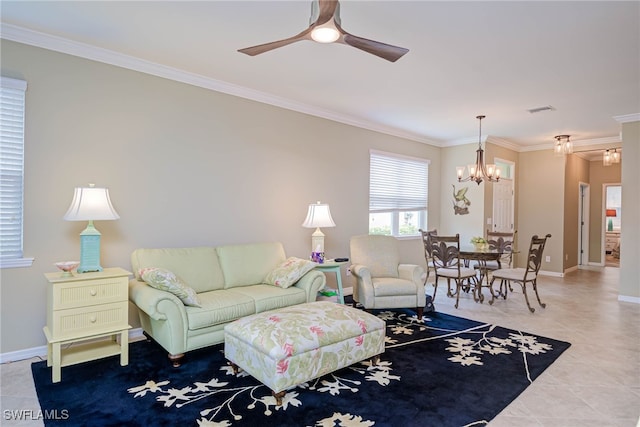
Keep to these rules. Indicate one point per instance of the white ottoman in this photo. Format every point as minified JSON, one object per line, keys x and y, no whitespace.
{"x":287,"y":347}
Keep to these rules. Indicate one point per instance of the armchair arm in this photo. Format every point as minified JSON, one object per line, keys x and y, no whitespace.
{"x":410,"y":272}
{"x":414,"y":273}
{"x":364,"y":285}
{"x":311,"y":283}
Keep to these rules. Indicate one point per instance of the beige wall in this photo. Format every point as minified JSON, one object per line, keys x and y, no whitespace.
{"x":188,"y":166}
{"x":540,"y":178}
{"x":471,"y":224}
{"x":630,"y":238}
{"x":185,"y":167}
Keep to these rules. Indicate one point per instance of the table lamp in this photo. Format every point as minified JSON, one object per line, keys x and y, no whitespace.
{"x":318,"y":216}
{"x":90,"y":204}
{"x":611,"y":213}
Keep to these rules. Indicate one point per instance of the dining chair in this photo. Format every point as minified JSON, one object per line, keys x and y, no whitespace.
{"x":445,"y":254}
{"x":426,"y":241}
{"x":522,"y":276}
{"x":503,"y":243}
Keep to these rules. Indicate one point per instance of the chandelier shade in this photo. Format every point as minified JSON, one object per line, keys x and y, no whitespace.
{"x":478,"y":171}
{"x":563,"y":145}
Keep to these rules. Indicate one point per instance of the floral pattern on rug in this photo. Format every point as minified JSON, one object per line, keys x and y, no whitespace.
{"x":469,"y":352}
{"x":261,"y":396}
{"x":403,"y":329}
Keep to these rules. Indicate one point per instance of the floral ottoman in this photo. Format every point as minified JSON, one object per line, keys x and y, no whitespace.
{"x":289,"y":346}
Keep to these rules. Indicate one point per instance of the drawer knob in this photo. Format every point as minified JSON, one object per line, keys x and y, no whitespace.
{"x":92,"y":319}
{"x":93,"y":292}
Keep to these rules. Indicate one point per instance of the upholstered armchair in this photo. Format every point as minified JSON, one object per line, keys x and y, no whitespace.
{"x":382,"y":280}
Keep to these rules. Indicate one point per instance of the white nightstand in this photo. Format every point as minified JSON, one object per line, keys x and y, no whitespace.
{"x":612,"y":239}
{"x":87,"y":307}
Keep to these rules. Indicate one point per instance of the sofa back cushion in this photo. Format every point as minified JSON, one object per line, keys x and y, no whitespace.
{"x":198,"y":267}
{"x":249,"y":264}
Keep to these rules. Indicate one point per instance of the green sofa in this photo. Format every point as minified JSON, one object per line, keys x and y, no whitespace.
{"x":229,"y":283}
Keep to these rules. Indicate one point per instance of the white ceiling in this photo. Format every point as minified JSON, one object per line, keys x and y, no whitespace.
{"x":466,"y":58}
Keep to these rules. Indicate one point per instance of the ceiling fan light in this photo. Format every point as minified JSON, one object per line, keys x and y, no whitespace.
{"x":325,"y":34}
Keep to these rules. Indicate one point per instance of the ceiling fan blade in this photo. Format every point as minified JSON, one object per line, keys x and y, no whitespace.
{"x":383,"y":50}
{"x":262,"y":48}
{"x":326,"y":10}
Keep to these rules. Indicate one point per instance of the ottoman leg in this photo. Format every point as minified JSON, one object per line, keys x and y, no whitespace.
{"x":278,"y":396}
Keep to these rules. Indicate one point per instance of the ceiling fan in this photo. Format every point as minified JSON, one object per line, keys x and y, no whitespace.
{"x":324,"y":27}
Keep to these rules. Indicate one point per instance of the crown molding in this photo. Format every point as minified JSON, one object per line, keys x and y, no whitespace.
{"x":86,"y":51}
{"x":627,"y":118}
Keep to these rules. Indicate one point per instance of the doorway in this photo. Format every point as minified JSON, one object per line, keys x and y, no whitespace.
{"x":611,"y":224}
{"x":583,"y":224}
{"x":503,"y":198}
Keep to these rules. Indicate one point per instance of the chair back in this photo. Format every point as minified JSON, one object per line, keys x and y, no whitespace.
{"x":534,"y":259}
{"x":426,"y":241}
{"x":445,"y":251}
{"x":379,"y":253}
{"x":503,"y":243}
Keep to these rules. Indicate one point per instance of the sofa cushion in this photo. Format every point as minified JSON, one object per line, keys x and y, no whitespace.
{"x":219,"y":307}
{"x":289,"y":272}
{"x":199,"y":266}
{"x":268,"y":297}
{"x":166,"y":280}
{"x":245,"y":265}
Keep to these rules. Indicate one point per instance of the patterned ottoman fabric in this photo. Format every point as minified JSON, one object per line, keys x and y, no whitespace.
{"x":287,"y":347}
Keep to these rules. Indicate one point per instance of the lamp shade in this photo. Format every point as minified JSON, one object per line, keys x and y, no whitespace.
{"x":89,"y":204}
{"x":318,"y":215}
{"x":611,"y":213}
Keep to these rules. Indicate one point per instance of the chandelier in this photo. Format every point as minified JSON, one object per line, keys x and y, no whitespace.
{"x":478,"y":171}
{"x":563,"y":145}
{"x":609,"y":157}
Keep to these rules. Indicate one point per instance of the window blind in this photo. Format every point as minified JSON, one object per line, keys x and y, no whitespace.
{"x":12,"y":101}
{"x":397,"y":183}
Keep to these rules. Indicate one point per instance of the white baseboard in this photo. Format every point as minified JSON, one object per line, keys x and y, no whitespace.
{"x":550,"y":273}
{"x":41,"y":351}
{"x":624,"y":298}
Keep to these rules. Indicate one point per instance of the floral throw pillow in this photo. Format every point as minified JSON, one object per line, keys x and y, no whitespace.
{"x":165,"y":280}
{"x":289,"y":272}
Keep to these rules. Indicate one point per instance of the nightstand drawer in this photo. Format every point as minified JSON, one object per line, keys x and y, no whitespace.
{"x":86,"y":321}
{"x":91,"y":292}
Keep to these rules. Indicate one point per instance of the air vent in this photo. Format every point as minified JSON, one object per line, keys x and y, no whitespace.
{"x":540,"y":109}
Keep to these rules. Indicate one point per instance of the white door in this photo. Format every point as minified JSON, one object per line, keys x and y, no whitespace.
{"x":503,"y":194}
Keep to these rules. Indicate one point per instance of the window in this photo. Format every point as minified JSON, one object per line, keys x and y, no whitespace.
{"x":398,"y":190}
{"x":12,"y":98}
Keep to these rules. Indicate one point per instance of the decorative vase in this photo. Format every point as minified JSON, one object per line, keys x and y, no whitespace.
{"x":610,"y":225}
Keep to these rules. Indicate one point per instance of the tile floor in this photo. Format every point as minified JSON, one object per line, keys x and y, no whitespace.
{"x":596,"y":382}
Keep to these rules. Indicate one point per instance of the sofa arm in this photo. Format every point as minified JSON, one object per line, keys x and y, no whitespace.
{"x":410,"y":272}
{"x":311,"y":283}
{"x":150,"y":300}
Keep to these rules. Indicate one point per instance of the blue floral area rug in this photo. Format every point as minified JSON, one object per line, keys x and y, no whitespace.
{"x":444,"y":371}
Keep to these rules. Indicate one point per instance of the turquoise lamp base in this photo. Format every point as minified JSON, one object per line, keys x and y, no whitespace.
{"x":89,"y":250}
